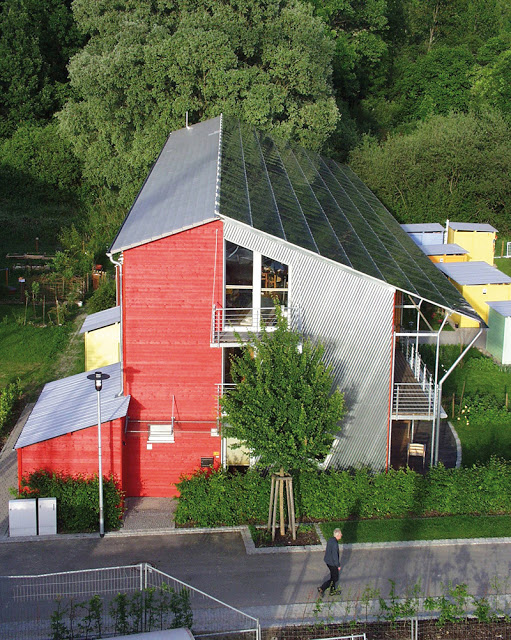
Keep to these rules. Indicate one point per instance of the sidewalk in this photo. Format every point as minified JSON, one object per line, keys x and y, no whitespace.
{"x":9,"y":471}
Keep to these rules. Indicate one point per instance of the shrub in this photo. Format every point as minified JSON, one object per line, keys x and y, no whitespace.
{"x":103,"y":297}
{"x":8,"y":399}
{"x":215,"y":498}
{"x":77,"y":499}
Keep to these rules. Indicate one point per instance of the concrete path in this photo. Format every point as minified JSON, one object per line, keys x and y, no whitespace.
{"x":9,"y":470}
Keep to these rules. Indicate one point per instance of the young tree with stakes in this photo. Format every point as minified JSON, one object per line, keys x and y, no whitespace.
{"x":283,"y":408}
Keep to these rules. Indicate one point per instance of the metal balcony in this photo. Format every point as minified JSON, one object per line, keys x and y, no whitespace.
{"x":230,"y":325}
{"x":414,"y":392}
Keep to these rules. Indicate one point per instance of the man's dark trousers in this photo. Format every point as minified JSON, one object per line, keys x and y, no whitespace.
{"x":334,"y":578}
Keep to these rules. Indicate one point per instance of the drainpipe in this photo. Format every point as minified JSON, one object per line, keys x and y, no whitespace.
{"x":439,"y":392}
{"x":436,"y":408}
{"x":118,"y":264}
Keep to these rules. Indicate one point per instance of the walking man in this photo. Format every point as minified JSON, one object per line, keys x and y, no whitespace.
{"x":332,"y":562}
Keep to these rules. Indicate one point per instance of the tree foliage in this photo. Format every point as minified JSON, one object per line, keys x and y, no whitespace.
{"x":283,"y":408}
{"x":454,"y":166}
{"x":148,"y":63}
{"x":37,"y":38}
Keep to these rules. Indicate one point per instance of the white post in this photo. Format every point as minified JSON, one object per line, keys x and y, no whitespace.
{"x":100,"y":464}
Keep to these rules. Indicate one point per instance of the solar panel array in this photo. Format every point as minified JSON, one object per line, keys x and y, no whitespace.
{"x":322,"y":206}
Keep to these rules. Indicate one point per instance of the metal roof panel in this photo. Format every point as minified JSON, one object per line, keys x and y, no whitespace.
{"x":501,"y":306}
{"x":181,"y":189}
{"x":473,"y":273}
{"x":423,"y":227}
{"x":101,"y":319}
{"x":443,"y":249}
{"x":471,"y":226}
{"x":70,"y":404}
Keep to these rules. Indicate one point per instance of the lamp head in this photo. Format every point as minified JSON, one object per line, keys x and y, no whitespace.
{"x":98,"y":378}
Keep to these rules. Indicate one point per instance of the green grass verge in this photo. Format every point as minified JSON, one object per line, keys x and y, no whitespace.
{"x":31,"y":353}
{"x":404,"y":529}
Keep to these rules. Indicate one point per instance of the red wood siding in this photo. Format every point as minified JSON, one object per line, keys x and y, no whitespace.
{"x":169,"y":287}
{"x":77,"y":452}
{"x":154,"y":472}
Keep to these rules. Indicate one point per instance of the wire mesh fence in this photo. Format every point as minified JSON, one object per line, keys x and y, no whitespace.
{"x":108,"y":602}
{"x":410,"y":629}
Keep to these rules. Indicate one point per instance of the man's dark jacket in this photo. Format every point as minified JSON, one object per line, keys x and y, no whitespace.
{"x":332,"y":552}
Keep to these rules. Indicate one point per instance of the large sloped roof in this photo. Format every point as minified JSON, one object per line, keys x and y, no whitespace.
{"x":224,"y":168}
{"x":70,"y":404}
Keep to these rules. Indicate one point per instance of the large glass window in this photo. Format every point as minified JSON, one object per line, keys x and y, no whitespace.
{"x":239,"y":268}
{"x":250,"y":276}
{"x":274,"y":281}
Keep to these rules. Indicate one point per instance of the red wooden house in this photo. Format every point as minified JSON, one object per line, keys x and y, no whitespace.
{"x":227,"y":220}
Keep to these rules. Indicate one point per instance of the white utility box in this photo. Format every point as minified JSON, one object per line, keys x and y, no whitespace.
{"x":23,"y":517}
{"x":47,"y":516}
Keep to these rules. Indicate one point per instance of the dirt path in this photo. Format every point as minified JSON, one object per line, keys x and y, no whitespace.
{"x":67,"y":359}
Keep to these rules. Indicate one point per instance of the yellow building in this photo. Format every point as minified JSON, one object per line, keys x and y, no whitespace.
{"x":477,"y":239}
{"x":102,"y":338}
{"x":479,"y":284}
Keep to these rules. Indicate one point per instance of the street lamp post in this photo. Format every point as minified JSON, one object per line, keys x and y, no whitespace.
{"x":98,"y":378}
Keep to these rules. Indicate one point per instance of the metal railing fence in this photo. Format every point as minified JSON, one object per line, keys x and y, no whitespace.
{"x":111,"y":601}
{"x":227,"y":322}
{"x":414,"y":398}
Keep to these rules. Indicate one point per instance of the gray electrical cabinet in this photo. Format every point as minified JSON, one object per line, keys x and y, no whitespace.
{"x":23,"y":517}
{"x":47,"y":516}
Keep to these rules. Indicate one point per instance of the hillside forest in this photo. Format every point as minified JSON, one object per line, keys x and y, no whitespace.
{"x":414,"y":94}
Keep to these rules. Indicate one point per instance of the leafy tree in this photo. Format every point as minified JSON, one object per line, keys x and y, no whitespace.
{"x":492,"y":84}
{"x":283,"y":408}
{"x":37,"y":37}
{"x":435,"y":83}
{"x":454,"y":166}
{"x":148,"y":63}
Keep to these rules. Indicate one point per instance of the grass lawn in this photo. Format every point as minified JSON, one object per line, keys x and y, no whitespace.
{"x":481,"y":419}
{"x":402,"y":529}
{"x":32,"y":353}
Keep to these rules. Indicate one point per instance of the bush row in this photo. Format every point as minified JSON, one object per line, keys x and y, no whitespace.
{"x":216,"y":498}
{"x":77,"y":499}
{"x":8,"y":399}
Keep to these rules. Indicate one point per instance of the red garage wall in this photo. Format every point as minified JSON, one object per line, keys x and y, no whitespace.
{"x":77,"y":452}
{"x":169,"y":287}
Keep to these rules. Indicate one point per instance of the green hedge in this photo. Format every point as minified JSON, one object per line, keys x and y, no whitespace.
{"x":8,"y":399}
{"x":77,"y":499}
{"x":215,"y":498}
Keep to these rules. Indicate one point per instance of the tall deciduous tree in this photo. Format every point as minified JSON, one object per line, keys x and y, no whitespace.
{"x":37,"y":37}
{"x":283,"y":408}
{"x":454,"y":166}
{"x":148,"y":63}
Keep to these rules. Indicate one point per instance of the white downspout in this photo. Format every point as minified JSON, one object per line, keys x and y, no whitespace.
{"x":118,"y":264}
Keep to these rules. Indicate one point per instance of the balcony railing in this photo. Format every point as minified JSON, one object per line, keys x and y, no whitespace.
{"x":226,"y":324}
{"x":415,"y":394}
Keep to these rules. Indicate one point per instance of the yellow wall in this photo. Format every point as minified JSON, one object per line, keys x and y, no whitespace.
{"x":449,"y":258}
{"x":474,"y":295}
{"x":102,"y":347}
{"x":479,"y":244}
{"x":234,"y":455}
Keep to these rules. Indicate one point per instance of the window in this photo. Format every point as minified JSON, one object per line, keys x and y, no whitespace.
{"x":160,"y":433}
{"x":206,"y":462}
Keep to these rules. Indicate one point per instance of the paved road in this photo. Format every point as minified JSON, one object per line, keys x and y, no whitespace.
{"x":218,"y":564}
